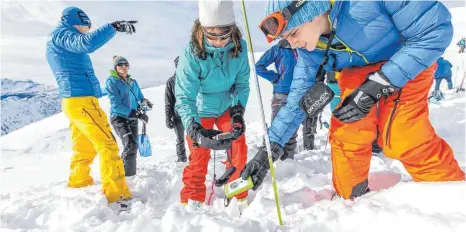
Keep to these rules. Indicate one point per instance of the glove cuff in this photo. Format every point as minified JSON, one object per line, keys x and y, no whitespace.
{"x":377,"y":85}
{"x":237,"y":110}
{"x":277,"y":151}
{"x":380,"y":78}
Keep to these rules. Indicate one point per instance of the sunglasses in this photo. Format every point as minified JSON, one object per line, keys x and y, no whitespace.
{"x":123,"y":64}
{"x":274,"y":24}
{"x":225,"y":33}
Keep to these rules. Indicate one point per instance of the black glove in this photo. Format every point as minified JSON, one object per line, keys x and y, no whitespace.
{"x":125,"y":26}
{"x":258,"y":167}
{"x":204,"y":137}
{"x":146,"y":103}
{"x":360,"y":102}
{"x":237,"y":120}
{"x":169,"y":122}
{"x":137,"y":114}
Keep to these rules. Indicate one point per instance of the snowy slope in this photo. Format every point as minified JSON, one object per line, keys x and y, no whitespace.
{"x":25,"y":102}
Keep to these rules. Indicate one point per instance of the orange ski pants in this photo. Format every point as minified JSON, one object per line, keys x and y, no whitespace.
{"x":409,"y":137}
{"x":194,"y":174}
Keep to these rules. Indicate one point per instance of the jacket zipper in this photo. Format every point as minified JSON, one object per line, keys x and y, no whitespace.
{"x":90,"y":82}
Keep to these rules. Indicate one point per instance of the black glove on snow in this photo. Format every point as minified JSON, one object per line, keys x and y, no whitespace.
{"x":125,"y":26}
{"x":237,"y":120}
{"x":169,"y":122}
{"x":360,"y":102}
{"x":258,"y":167}
{"x":142,"y":116}
{"x":204,"y":137}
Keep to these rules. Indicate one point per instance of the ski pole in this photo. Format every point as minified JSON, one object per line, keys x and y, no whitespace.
{"x":259,"y":97}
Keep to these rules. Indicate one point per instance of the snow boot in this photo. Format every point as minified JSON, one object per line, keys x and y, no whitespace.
{"x":181,"y":159}
{"x":121,"y":205}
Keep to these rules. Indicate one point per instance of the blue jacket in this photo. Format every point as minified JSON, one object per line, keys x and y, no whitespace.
{"x":409,"y":35}
{"x":285,"y":60}
{"x":122,"y":99}
{"x":207,"y":88}
{"x":67,"y":54}
{"x":443,"y":69}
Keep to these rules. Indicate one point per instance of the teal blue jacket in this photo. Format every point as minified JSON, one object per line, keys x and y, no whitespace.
{"x":207,"y":88}
{"x":123,"y":99}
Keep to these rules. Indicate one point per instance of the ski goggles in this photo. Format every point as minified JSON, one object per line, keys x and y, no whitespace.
{"x":123,"y":64}
{"x":274,"y":24}
{"x":225,"y":33}
{"x":84,"y":18}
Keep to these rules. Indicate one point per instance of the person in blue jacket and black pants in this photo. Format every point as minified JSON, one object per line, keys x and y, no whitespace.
{"x":127,"y":106}
{"x":285,"y":59}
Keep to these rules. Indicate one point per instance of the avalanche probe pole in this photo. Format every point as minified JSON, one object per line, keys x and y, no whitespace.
{"x":266,"y":136}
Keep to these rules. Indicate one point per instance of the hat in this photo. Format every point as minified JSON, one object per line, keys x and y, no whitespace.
{"x":75,"y":16}
{"x":216,"y":13}
{"x":118,"y":59}
{"x":306,"y":13}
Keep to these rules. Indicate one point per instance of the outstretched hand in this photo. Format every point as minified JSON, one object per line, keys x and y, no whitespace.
{"x":125,"y":26}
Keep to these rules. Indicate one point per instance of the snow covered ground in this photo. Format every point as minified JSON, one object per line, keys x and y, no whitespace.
{"x":34,"y":196}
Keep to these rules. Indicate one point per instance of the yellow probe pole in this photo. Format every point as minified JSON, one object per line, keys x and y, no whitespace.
{"x":266,"y":136}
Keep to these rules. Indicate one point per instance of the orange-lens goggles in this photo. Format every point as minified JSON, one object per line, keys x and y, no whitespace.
{"x":274,"y":24}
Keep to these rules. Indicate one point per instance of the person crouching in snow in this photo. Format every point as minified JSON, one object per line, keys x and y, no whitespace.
{"x":385,"y":51}
{"x":127,"y":105}
{"x":67,"y":52}
{"x":212,"y":87}
{"x":172,"y":118}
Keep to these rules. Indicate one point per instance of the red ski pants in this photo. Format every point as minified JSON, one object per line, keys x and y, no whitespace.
{"x":194,"y":174}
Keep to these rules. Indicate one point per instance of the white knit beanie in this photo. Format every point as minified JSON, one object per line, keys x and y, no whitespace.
{"x":216,"y":13}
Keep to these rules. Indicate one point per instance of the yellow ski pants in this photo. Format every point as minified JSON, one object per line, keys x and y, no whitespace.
{"x":91,"y":134}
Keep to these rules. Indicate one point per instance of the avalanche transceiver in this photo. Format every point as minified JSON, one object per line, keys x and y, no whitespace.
{"x":238,"y":186}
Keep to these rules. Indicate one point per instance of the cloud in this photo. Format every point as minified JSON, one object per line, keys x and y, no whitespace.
{"x":163,"y":31}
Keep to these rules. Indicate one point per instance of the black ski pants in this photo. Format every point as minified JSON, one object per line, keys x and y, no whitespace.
{"x":127,"y":130}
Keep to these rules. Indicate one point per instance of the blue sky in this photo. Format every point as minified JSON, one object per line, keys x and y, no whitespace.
{"x":162,"y":33}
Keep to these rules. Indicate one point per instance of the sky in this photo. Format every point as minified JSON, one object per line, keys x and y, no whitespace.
{"x":162,"y":33}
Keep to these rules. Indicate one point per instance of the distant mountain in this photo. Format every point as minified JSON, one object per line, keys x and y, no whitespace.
{"x":25,"y":102}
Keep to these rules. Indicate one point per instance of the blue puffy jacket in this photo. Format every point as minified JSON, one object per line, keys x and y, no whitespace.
{"x":207,"y":88}
{"x":67,"y":54}
{"x":285,"y":60}
{"x":443,"y":69}
{"x":409,"y":35}
{"x":122,"y":98}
